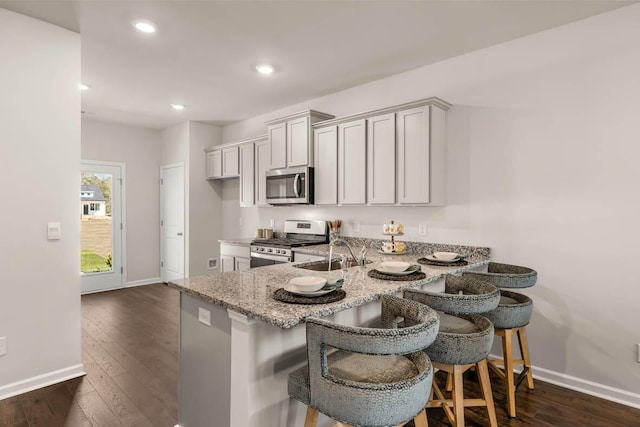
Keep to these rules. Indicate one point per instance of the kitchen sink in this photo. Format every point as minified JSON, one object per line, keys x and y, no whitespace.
{"x":324,"y":265}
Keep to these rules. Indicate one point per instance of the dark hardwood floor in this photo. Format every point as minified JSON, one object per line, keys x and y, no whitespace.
{"x":130,"y":354}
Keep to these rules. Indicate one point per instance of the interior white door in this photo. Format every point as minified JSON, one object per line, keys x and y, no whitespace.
{"x":172,"y":222}
{"x":102,"y":227}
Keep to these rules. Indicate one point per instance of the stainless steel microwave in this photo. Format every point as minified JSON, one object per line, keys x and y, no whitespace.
{"x":290,"y":186}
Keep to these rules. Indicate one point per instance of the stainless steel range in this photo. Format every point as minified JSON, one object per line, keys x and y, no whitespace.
{"x":297,"y":233}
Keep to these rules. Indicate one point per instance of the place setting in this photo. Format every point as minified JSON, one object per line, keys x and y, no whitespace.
{"x":444,"y":259}
{"x":397,"y":271}
{"x":311,"y":290}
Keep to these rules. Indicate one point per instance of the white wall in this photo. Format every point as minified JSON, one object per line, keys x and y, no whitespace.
{"x":205,"y":217}
{"x":139,"y":149}
{"x":185,"y":142}
{"x":542,"y":165}
{"x":40,"y":152}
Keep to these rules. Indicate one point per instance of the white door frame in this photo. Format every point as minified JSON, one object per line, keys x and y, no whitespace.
{"x":163,"y":274}
{"x":123,"y":228}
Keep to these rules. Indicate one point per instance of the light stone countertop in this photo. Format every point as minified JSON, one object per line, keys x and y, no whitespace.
{"x":250,"y":292}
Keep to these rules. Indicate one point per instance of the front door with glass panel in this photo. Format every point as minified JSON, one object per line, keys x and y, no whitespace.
{"x":101,"y":226}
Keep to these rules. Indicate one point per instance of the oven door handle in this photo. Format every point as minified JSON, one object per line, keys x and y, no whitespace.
{"x":271,"y":257}
{"x":296,"y":187}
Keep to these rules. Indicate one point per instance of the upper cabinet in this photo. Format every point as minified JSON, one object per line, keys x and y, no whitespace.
{"x":392,"y":156}
{"x":325,"y":141}
{"x":262,"y":165}
{"x":214,"y":164}
{"x":247,"y":178}
{"x":291,"y":139}
{"x":381,"y":159}
{"x":222,"y":162}
{"x":352,"y":163}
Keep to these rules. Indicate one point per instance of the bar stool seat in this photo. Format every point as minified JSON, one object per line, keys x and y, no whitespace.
{"x":463,"y":342}
{"x":369,"y":376}
{"x":510,"y":317}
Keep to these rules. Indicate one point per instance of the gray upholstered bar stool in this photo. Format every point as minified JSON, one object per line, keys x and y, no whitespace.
{"x":463,"y":342}
{"x":509,"y":319}
{"x":368,"y":376}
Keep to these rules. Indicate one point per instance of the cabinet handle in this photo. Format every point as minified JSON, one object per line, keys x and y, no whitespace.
{"x":179,"y":234}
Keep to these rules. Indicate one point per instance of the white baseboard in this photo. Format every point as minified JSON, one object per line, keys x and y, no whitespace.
{"x":143,"y":282}
{"x":583,"y":386}
{"x":40,"y":381}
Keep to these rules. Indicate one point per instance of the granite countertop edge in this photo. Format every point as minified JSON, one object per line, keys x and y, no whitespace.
{"x":321,"y":309}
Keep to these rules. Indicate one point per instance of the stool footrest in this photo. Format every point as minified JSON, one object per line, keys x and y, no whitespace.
{"x":522,"y":376}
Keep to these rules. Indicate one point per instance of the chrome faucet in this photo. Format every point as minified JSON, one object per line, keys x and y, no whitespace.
{"x":363,"y":252}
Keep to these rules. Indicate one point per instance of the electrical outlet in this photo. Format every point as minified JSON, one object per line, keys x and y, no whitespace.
{"x":356,"y":226}
{"x":204,"y":316}
{"x":273,"y":223}
{"x":422,"y":229}
{"x":3,"y":346}
{"x":241,"y":221}
{"x":212,"y":263}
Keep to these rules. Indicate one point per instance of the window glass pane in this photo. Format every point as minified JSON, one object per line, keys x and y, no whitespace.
{"x":96,"y":236}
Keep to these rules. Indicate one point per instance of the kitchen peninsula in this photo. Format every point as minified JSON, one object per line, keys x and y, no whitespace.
{"x":238,"y":344}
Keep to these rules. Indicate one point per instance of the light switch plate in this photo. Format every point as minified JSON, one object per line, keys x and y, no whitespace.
{"x":53,"y":231}
{"x":204,"y":316}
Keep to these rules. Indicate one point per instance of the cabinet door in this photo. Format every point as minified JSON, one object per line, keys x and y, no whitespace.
{"x":325,"y":141}
{"x":227,"y":263}
{"x":214,"y":164}
{"x":413,"y":155}
{"x":352,"y":159}
{"x":262,"y":166}
{"x":381,"y":159}
{"x":230,"y":165}
{"x":278,"y":146}
{"x":298,"y":142}
{"x":242,"y":264}
{"x":247,"y":178}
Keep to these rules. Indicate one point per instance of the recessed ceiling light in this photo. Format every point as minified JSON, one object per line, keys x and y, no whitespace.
{"x":83,"y":86}
{"x":145,"y":26}
{"x":265,"y":69}
{"x":177,"y":106}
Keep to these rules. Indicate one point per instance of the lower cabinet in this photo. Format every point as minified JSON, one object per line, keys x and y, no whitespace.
{"x":234,"y":257}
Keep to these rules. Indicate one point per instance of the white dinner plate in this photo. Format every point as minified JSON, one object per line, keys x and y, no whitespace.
{"x":432,"y":258}
{"x":307,"y":283}
{"x":293,"y":290}
{"x":411,"y":269}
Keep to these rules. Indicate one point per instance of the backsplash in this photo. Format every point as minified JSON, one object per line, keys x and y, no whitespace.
{"x":420,"y":248}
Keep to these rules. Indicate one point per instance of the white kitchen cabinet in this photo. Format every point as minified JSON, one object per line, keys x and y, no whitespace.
{"x":261,"y":167}
{"x":214,"y":164}
{"x":278,"y":146}
{"x":234,"y":257}
{"x":421,"y":155}
{"x":298,"y":142}
{"x":326,"y":165}
{"x":352,"y":161}
{"x":381,"y":159}
{"x":247,"y":175}
{"x":242,"y":264}
{"x":230,"y":163}
{"x":291,"y":139}
{"x":227,"y":263}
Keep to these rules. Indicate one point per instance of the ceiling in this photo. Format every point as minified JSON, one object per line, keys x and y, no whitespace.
{"x":205,"y":52}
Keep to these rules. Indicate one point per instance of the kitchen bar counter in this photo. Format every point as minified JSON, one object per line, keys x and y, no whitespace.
{"x":238,"y":345}
{"x":239,"y":241}
{"x":249,"y":293}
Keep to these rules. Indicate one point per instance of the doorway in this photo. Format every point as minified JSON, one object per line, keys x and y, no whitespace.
{"x":172,"y":238}
{"x":101,"y":226}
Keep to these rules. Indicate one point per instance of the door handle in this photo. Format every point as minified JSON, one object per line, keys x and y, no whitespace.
{"x":296,"y":190}
{"x":179,"y":234}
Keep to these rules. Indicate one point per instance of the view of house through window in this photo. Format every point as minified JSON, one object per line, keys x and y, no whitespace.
{"x":96,"y":239}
